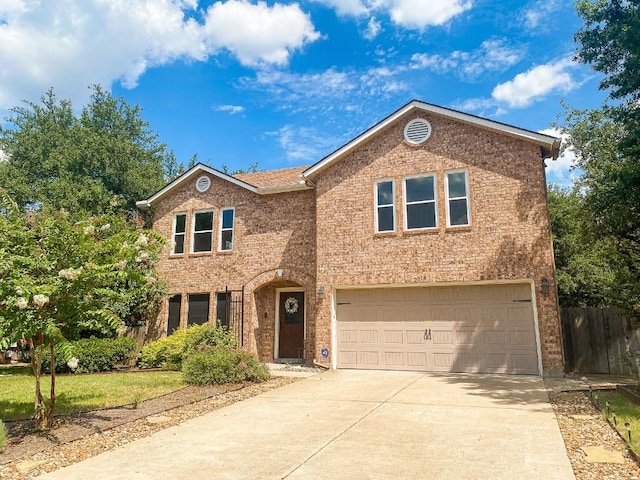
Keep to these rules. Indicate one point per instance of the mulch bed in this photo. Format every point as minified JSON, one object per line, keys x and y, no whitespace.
{"x":80,"y":436}
{"x":582,"y":425}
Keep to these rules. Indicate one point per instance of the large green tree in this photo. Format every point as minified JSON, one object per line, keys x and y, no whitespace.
{"x":607,"y":140}
{"x":99,"y":161}
{"x":60,"y":278}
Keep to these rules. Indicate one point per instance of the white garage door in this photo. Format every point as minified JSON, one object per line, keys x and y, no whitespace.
{"x":475,"y":329}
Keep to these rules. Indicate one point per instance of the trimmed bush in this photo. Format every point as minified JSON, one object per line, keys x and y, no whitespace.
{"x":166,"y":352}
{"x":170,"y":352}
{"x":95,"y":355}
{"x":3,"y":436}
{"x":213,"y":365}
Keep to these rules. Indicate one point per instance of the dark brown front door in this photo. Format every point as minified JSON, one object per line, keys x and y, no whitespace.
{"x":291,"y":339}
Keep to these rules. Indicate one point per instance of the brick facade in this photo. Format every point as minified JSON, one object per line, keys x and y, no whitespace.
{"x":323,"y":237}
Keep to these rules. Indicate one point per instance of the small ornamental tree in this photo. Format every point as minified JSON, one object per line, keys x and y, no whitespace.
{"x":60,"y":279}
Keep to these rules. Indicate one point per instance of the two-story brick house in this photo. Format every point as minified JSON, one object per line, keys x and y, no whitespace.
{"x":422,"y":244}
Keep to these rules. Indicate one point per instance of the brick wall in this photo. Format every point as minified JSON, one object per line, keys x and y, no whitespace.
{"x":509,"y":237}
{"x":271,"y":232}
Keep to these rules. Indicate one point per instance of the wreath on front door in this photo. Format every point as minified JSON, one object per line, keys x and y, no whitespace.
{"x":291,"y":305}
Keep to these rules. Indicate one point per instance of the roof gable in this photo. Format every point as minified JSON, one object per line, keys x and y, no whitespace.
{"x":549,"y":145}
{"x":260,"y":183}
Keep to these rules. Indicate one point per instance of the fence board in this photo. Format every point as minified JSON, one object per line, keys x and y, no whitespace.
{"x":598,"y":340}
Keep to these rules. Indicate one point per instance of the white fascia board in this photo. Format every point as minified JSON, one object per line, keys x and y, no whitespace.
{"x":552,"y":144}
{"x":189,"y":174}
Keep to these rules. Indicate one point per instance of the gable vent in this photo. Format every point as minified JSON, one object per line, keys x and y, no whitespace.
{"x":417,"y":131}
{"x":203,"y":183}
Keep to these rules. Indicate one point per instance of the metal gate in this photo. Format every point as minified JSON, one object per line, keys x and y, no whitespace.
{"x":230,"y":311}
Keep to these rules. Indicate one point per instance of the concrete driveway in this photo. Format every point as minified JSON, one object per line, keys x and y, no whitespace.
{"x":357,"y":425}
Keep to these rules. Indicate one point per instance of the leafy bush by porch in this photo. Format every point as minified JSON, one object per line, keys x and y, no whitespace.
{"x":171,"y":351}
{"x":211,"y":365}
{"x":95,"y":355}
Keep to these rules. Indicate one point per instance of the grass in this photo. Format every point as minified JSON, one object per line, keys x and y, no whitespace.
{"x":81,"y":393}
{"x":3,"y":436}
{"x":625,"y":411}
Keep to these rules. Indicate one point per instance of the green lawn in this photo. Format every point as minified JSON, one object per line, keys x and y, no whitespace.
{"x":81,"y":393}
{"x":626,"y":411}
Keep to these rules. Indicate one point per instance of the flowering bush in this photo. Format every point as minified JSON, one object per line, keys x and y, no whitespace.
{"x":60,"y":279}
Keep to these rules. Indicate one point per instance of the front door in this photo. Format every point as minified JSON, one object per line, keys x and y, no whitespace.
{"x":291,"y":323}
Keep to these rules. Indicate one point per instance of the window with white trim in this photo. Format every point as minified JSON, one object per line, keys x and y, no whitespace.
{"x":385,"y":206}
{"x":179,"y":233}
{"x":457,"y":192}
{"x":420,"y":202}
{"x":227,"y":217}
{"x":202,"y":231}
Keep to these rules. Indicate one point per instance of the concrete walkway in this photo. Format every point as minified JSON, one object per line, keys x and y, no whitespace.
{"x":357,"y":425}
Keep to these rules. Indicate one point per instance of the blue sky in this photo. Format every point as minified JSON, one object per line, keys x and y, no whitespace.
{"x":285,"y":83}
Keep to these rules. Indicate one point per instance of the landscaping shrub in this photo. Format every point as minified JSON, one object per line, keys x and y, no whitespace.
{"x":170,"y":352}
{"x":95,"y":355}
{"x":166,"y":352}
{"x":3,"y":436}
{"x":212,"y":335}
{"x":211,"y":365}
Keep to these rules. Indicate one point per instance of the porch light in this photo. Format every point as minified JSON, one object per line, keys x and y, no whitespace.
{"x":545,"y":286}
{"x":320,"y":291}
{"x":279,"y":272}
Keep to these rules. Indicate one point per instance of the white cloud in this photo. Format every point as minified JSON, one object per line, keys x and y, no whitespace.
{"x":257,"y":33}
{"x":410,"y":14}
{"x":561,"y":170}
{"x":373,"y":29}
{"x":492,"y":55}
{"x":70,"y":44}
{"x":536,"y":83}
{"x":232,"y":109}
{"x":344,"y":8}
{"x":303,"y":144}
{"x":419,"y":14}
{"x":537,"y":15}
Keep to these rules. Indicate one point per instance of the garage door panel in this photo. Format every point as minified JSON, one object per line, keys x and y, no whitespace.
{"x":441,"y":337}
{"x":487,"y":328}
{"x":393,"y":337}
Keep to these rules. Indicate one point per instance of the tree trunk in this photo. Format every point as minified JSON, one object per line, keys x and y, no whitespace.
{"x":52,"y":398}
{"x":37,"y":352}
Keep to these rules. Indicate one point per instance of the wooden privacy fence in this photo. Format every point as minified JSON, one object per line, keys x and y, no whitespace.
{"x":598,"y":340}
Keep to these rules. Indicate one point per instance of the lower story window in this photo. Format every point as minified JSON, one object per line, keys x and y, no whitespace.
{"x":198,"y":309}
{"x":173,"y":321}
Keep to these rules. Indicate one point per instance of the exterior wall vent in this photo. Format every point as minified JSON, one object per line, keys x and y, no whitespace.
{"x":203,"y":183}
{"x":417,"y":131}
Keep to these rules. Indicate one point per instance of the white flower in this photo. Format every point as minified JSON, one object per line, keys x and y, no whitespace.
{"x":40,"y":300}
{"x":142,"y":257}
{"x":70,"y":273}
{"x":73,"y":363}
{"x":19,"y":291}
{"x":22,"y":303}
{"x":142,"y":240}
{"x":105,"y":227}
{"x":122,"y":264}
{"x":89,"y":230}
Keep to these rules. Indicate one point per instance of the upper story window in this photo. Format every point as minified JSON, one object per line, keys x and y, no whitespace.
{"x":420,"y":202}
{"x":202,"y":231}
{"x":227,"y":216}
{"x":385,"y":206}
{"x":179,"y":232}
{"x":457,"y":191}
